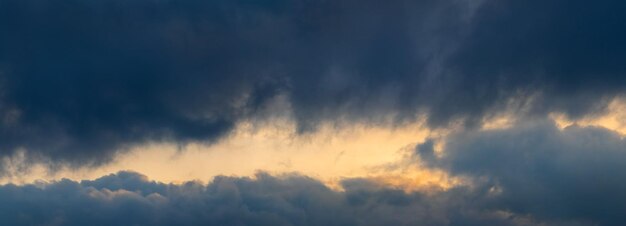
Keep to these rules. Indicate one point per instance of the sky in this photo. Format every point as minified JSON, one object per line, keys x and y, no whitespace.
{"x":312,"y":112}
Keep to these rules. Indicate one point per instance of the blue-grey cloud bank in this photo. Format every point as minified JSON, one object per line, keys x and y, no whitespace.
{"x":128,"y":198}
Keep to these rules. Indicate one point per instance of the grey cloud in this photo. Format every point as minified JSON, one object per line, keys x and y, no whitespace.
{"x":577,"y":173}
{"x":569,"y":51}
{"x":128,"y":198}
{"x":84,"y":80}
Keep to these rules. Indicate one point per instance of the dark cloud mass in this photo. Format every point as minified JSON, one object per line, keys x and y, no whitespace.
{"x":82,"y":80}
{"x":577,"y":173}
{"x":128,"y":198}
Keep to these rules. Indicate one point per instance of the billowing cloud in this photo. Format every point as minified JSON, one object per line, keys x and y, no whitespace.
{"x":569,"y":52}
{"x":128,"y":198}
{"x":537,"y":169}
{"x":83,"y":80}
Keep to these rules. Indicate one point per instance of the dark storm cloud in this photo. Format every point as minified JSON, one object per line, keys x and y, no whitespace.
{"x":128,"y":198}
{"x":572,"y":52}
{"x":82,"y":80}
{"x":577,"y":173}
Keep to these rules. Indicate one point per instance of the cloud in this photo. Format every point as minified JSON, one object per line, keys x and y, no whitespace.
{"x":568,"y":51}
{"x":537,"y":169}
{"x":129,"y":198}
{"x":84,"y":80}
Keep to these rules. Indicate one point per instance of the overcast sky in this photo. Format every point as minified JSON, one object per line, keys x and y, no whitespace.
{"x":312,"y":112}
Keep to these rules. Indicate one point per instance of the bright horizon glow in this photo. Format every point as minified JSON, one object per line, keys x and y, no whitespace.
{"x":329,"y":154}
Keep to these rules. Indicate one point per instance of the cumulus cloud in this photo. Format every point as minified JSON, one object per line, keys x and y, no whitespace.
{"x":83,"y":80}
{"x":537,"y":169}
{"x":128,"y":198}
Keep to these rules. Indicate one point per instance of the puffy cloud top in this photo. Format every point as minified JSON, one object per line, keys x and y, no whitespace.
{"x":127,"y":198}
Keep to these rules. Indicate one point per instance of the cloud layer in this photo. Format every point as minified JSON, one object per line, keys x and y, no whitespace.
{"x":128,"y":198}
{"x":83,"y":80}
{"x":576,"y":173}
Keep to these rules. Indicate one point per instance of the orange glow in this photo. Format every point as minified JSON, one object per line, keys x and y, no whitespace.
{"x":328,"y":154}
